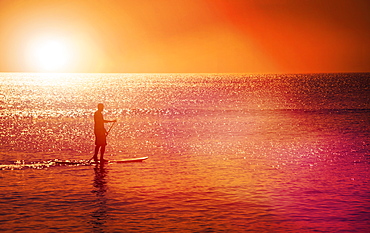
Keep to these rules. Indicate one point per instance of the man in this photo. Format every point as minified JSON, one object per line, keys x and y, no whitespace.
{"x":100,"y":133}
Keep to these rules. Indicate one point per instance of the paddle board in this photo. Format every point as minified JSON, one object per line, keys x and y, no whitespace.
{"x":57,"y":162}
{"x":85,"y":162}
{"x":129,"y":160}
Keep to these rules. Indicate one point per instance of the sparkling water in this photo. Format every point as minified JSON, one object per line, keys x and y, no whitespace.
{"x":227,"y":152}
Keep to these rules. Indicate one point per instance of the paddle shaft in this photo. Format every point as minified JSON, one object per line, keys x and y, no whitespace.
{"x":114,"y":122}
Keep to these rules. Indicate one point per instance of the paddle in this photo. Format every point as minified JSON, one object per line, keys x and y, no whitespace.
{"x":114,"y":122}
{"x":110,"y":128}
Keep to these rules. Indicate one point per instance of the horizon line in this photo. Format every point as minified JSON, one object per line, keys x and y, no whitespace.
{"x":248,"y":73}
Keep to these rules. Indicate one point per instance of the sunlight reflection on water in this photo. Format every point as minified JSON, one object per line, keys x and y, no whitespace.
{"x":227,"y":152}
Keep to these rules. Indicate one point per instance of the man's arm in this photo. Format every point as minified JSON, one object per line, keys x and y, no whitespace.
{"x":105,"y":121}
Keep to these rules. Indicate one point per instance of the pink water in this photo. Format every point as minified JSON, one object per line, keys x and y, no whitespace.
{"x":232,"y":153}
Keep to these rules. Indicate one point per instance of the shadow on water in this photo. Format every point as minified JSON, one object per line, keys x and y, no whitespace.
{"x":100,"y":213}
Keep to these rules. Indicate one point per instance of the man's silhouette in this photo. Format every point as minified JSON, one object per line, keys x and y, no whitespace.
{"x":100,"y":133}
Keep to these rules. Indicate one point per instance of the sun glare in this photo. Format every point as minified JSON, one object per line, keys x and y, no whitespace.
{"x":50,"y":55}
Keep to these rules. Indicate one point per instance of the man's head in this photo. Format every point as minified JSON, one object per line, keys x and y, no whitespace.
{"x":100,"y":107}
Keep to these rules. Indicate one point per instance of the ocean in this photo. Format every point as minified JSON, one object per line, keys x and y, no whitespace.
{"x":227,"y":153}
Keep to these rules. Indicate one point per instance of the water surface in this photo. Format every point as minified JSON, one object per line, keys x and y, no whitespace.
{"x":227,"y":152}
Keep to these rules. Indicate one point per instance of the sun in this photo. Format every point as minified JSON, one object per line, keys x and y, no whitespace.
{"x":50,"y":54}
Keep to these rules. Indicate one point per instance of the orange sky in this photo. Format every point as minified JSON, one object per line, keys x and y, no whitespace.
{"x":150,"y":36}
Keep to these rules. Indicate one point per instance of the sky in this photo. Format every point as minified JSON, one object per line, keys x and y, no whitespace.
{"x":185,"y":36}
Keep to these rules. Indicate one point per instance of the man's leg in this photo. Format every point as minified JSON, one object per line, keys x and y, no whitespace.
{"x":96,"y":153}
{"x":102,"y":150}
